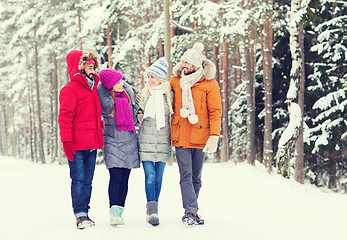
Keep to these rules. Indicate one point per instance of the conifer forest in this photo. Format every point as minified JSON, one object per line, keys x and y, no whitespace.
{"x":281,"y":67}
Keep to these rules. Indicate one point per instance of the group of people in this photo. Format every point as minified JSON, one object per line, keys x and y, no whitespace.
{"x":184,"y":113}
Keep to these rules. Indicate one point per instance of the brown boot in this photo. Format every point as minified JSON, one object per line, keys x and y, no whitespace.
{"x":83,"y":222}
{"x":192,"y":219}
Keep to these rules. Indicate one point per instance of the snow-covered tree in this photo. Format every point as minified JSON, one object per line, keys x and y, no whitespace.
{"x":327,"y":136}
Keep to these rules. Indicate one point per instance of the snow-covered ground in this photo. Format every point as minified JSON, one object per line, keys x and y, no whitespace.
{"x":238,"y":202}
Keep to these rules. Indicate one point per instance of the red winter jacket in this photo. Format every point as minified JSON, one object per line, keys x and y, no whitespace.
{"x":80,"y":110}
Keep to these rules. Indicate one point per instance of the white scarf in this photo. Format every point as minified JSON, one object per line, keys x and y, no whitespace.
{"x":155,"y":106}
{"x":186,"y":82}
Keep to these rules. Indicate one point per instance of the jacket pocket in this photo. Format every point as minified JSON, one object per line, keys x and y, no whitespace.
{"x":85,"y":132}
{"x":200,"y":132}
{"x":175,"y":130}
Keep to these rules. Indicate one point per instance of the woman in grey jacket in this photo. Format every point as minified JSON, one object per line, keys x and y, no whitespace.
{"x":120,"y":146}
{"x":154,"y":109}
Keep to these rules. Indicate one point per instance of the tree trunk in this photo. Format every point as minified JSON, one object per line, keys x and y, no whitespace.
{"x":225,"y":98}
{"x":149,"y":62}
{"x":225,"y":106}
{"x":332,"y":171}
{"x":41,"y":152}
{"x":3,"y":127}
{"x":167,"y":36}
{"x":25,"y":136}
{"x":250,"y":109}
{"x":59,"y":147}
{"x":79,"y":27}
{"x":216,"y":52}
{"x":299,"y":163}
{"x":250,"y":79}
{"x":237,"y":64}
{"x":216,"y":60}
{"x":140,"y":57}
{"x":172,"y":27}
{"x":54,"y":131}
{"x":109,"y":46}
{"x":266,"y":49}
{"x":50,"y":144}
{"x":286,"y":145}
{"x":13,"y":134}
{"x":32,"y":131}
{"x":160,"y":42}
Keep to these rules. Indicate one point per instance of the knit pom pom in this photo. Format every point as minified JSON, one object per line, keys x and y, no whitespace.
{"x":193,"y":119}
{"x":184,"y":112}
{"x":199,"y":46}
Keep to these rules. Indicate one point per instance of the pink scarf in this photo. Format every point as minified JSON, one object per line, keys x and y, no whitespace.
{"x":123,"y":114}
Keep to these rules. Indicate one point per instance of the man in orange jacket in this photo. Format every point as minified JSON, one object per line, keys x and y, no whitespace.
{"x":196,"y":123}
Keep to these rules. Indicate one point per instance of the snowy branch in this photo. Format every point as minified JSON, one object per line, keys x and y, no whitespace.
{"x":187,"y":29}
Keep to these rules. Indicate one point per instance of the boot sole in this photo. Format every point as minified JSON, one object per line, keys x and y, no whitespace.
{"x":85,"y":225}
{"x":116,"y":223}
{"x":153,"y":219}
{"x":191,"y":222}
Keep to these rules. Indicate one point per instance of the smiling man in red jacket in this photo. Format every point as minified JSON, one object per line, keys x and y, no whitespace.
{"x":80,"y":127}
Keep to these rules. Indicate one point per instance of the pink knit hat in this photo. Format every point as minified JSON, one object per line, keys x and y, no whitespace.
{"x":194,"y":55}
{"x":109,"y":77}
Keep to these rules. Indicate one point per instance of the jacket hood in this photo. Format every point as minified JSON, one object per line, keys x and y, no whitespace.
{"x":73,"y":60}
{"x":208,"y":67}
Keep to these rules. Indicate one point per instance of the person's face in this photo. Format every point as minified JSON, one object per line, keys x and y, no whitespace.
{"x":90,"y":70}
{"x":118,"y":87}
{"x":153,"y":81}
{"x":188,"y":68}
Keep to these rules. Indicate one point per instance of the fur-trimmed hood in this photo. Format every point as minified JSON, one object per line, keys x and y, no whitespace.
{"x":76,"y":61}
{"x":85,"y":57}
{"x":207,"y":65}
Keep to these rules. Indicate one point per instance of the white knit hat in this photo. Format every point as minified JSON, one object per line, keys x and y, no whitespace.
{"x":158,"y":69}
{"x":194,"y":55}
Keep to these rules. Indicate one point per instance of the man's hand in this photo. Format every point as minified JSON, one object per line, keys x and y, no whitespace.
{"x":69,"y":150}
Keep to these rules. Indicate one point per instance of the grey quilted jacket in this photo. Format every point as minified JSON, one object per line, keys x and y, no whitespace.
{"x":120,"y":147}
{"x":154,"y":145}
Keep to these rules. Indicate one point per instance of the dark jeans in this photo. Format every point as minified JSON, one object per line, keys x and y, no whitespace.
{"x":81,"y":174}
{"x":153,"y":179}
{"x":118,"y":186}
{"x":190,"y":161}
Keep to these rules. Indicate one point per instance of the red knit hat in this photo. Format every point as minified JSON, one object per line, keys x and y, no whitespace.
{"x":109,"y":77}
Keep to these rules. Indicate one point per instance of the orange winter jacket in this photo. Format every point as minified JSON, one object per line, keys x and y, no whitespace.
{"x":208,"y":107}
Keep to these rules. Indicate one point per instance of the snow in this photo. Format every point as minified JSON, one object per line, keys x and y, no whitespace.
{"x":238,"y":202}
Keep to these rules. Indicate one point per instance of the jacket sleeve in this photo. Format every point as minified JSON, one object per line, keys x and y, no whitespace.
{"x":137,"y":109}
{"x":106,"y":100}
{"x":214,"y":105}
{"x":68,"y":101}
{"x":131,"y":94}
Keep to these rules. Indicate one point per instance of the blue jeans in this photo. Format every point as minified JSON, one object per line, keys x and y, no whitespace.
{"x":118,"y":186}
{"x":81,"y":174}
{"x":153,"y":179}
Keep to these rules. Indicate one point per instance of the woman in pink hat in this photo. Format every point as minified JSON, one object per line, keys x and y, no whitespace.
{"x":121,"y":146}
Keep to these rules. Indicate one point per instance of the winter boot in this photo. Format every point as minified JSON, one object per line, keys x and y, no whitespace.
{"x":152,"y":213}
{"x":116,"y":215}
{"x":83,"y":222}
{"x":192,"y":219}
